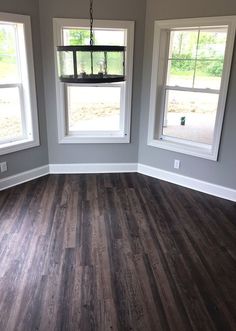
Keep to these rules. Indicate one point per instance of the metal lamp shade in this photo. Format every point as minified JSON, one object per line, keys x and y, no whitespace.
{"x":91,"y":64}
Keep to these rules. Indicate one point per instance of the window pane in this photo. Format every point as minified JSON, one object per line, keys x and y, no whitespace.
{"x":66,"y":63}
{"x":83,"y":62}
{"x":115,"y":63}
{"x":101,"y":37}
{"x":94,"y":108}
{"x":208,"y":74}
{"x":180,"y":73}
{"x":8,"y":54}
{"x":76,"y":36}
{"x":10,"y":114}
{"x":212,"y":43}
{"x":109,"y":37}
{"x":183,"y":44}
{"x":190,"y":116}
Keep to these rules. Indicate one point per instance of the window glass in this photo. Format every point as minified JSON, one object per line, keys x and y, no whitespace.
{"x":190,"y":116}
{"x":95,"y":108}
{"x":10,"y":114}
{"x":9,"y":68}
{"x":194,"y":72}
{"x":180,"y":73}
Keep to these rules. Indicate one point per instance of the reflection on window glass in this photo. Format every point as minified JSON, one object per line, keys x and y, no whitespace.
{"x":94,"y":108}
{"x":190,"y":116}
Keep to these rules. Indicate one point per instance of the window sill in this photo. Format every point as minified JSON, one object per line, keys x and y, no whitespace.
{"x":15,"y":146}
{"x":82,"y":139}
{"x":202,"y":152}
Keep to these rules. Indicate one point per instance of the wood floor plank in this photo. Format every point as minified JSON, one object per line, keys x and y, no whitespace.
{"x":115,"y":252}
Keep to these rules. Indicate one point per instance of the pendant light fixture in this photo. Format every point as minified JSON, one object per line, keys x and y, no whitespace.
{"x":91,"y":63}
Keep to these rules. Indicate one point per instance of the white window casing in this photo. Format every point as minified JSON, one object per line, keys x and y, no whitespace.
{"x":75,"y":137}
{"x":159,"y":85}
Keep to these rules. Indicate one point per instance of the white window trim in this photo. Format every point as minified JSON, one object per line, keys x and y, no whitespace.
{"x":189,"y":148}
{"x":92,"y":137}
{"x":29,"y":90}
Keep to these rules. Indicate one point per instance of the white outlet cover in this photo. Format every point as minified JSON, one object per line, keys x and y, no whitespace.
{"x":177,"y":164}
{"x":3,"y":166}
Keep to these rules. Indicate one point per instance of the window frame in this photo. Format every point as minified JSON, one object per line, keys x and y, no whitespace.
{"x":156,"y":106}
{"x":26,"y":86}
{"x":62,"y":112}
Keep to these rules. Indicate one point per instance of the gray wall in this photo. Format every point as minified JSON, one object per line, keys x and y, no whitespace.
{"x":38,"y":156}
{"x":103,"y":9}
{"x":222,"y":172}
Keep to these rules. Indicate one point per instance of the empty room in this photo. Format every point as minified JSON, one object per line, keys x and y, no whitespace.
{"x":117,"y":165}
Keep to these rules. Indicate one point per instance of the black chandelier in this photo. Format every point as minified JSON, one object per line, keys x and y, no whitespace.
{"x":91,"y":63}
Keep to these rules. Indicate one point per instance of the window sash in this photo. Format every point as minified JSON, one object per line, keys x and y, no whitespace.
{"x":164,"y":111}
{"x":167,"y":87}
{"x":102,"y":133}
{"x":105,"y":133}
{"x":194,"y":59}
{"x":159,"y":84}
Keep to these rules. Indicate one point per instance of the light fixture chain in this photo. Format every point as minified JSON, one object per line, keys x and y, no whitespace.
{"x":91,"y":22}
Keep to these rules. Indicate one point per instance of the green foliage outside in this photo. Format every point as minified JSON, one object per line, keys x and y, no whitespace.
{"x":78,"y":37}
{"x":207,"y":68}
{"x":185,"y":51}
{"x":7,"y":53}
{"x":7,"y":45}
{"x":82,"y":37}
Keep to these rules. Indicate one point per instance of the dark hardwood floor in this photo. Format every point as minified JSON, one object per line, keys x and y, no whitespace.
{"x":115,"y":252}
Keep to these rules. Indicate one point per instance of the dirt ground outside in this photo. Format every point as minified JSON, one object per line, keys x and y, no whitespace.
{"x":102,"y":112}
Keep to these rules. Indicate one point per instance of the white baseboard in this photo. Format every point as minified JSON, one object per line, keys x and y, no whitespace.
{"x":88,"y":168}
{"x":85,"y":168}
{"x":23,"y":177}
{"x":195,"y":184}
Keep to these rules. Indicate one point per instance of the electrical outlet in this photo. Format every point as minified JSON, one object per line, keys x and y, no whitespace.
{"x":177,"y":164}
{"x":3,"y":166}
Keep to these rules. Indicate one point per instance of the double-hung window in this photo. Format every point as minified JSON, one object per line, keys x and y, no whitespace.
{"x":95,"y":113}
{"x":190,"y":73}
{"x":18,"y":113}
